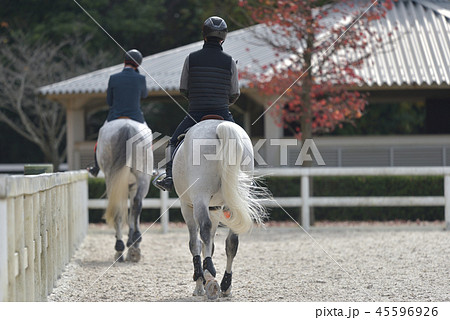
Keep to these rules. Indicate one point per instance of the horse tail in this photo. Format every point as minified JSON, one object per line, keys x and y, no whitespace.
{"x":119,"y":181}
{"x":118,"y":196}
{"x":237,"y":189}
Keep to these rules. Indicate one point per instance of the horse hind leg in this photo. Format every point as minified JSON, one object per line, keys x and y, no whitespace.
{"x":198,"y":276}
{"x":134,"y":235}
{"x":231,"y":247}
{"x":206,"y":228}
{"x":131,"y":224}
{"x":119,"y":246}
{"x":195,"y":246}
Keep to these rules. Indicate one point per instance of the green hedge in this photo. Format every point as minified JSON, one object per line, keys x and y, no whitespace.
{"x":327,"y":186}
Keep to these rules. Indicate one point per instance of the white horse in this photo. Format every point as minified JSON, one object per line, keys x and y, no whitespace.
{"x":206,"y":187}
{"x":123,"y":182}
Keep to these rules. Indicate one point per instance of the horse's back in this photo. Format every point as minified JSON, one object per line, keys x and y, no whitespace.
{"x":113,"y":139}
{"x":109,"y":131}
{"x":192,"y":162}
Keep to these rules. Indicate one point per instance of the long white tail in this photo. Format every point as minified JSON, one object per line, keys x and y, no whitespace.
{"x":237,"y":190}
{"x":118,"y":196}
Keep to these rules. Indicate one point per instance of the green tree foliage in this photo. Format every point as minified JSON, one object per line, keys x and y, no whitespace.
{"x":132,"y":23}
{"x":151,"y":26}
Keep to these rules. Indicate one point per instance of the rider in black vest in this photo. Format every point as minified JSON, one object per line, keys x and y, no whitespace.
{"x":210,"y":82}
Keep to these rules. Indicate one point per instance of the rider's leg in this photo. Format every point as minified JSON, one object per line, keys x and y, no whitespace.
{"x":169,"y":151}
{"x":95,"y":169}
{"x":167,"y":182}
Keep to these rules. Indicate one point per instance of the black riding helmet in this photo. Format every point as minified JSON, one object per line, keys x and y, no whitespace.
{"x":215,"y":27}
{"x":133,"y":57}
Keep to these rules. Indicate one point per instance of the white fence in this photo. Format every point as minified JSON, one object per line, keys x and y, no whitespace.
{"x":305,"y":200}
{"x":43,"y":219}
{"x":18,"y":168}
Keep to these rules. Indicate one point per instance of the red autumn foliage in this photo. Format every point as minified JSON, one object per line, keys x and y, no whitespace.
{"x":319,"y":45}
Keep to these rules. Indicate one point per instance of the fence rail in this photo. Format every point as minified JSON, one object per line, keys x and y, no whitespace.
{"x":43,"y":219}
{"x":305,"y":200}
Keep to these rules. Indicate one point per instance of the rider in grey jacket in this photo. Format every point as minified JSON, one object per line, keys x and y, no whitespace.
{"x":209,"y":80}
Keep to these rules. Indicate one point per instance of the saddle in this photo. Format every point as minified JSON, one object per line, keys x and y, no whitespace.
{"x":180,"y":138}
{"x":212,"y":117}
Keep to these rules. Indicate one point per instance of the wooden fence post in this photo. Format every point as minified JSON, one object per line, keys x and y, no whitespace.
{"x":29,"y":254}
{"x":3,"y":249}
{"x":305,"y":202}
{"x":19,"y":254}
{"x":447,"y":201}
{"x":164,"y":211}
{"x":37,"y":246}
{"x":35,"y":237}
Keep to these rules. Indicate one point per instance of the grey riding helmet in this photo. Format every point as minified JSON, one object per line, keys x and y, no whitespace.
{"x":215,"y":27}
{"x":133,"y":57}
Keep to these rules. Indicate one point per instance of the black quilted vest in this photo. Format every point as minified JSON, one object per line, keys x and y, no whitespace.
{"x":209,"y":78}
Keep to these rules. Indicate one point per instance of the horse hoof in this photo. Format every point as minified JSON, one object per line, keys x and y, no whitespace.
{"x":226,"y":293}
{"x":199,"y":291}
{"x":212,"y":289}
{"x":119,"y":256}
{"x":134,"y":254}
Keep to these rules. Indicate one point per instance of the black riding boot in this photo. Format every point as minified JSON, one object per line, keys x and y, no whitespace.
{"x":167,"y":182}
{"x":95,"y":169}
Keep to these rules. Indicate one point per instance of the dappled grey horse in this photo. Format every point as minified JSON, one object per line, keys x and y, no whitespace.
{"x":124,"y":182}
{"x":213,"y":170}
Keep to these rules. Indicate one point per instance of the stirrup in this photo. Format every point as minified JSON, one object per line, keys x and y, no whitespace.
{"x":93,"y":171}
{"x":157,"y":180}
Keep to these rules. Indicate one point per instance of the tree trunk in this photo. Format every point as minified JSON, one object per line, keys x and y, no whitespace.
{"x":51,"y":156}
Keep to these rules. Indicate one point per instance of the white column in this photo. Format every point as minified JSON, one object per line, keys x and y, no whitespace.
{"x":75,"y":133}
{"x":271,"y":131}
{"x":247,"y":123}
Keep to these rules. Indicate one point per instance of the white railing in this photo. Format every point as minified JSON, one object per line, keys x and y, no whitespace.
{"x":18,"y":168}
{"x":43,"y":219}
{"x":306,"y":201}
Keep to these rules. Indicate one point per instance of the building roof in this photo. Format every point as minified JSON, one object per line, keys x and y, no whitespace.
{"x":420,"y":51}
{"x":419,"y":56}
